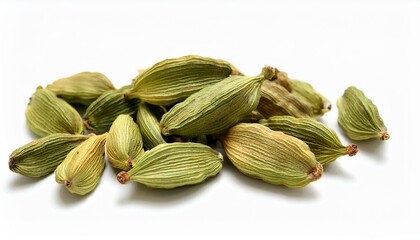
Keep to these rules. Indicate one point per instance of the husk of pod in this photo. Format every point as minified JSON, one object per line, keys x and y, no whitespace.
{"x":81,"y":88}
{"x":214,"y":109}
{"x":40,"y":157}
{"x":81,"y":170}
{"x":322,"y":141}
{"x":149,"y":127}
{"x":359,"y":117}
{"x":271,"y":156}
{"x":47,"y":114}
{"x":173,"y":80}
{"x":171,"y":165}
{"x":320,"y":105}
{"x":103,"y":111}
{"x":277,"y":101}
{"x":124,"y":144}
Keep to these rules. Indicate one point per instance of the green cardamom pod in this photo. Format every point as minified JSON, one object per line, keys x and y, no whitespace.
{"x":149,"y":127}
{"x":103,"y":111}
{"x":47,"y":114}
{"x":82,"y":88}
{"x":320,"y":105}
{"x":214,"y":109}
{"x":81,"y":171}
{"x":42,"y":156}
{"x":359,"y":116}
{"x":277,"y":101}
{"x":124,"y":144}
{"x":171,"y":165}
{"x":172,"y":80}
{"x":322,"y":141}
{"x":271,"y":156}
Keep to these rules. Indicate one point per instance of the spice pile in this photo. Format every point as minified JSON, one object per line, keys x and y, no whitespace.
{"x":161,"y":130}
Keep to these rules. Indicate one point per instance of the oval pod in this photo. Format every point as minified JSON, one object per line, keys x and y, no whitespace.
{"x":171,"y":165}
{"x":81,"y":171}
{"x":124,"y":144}
{"x":149,"y":127}
{"x":271,"y":156}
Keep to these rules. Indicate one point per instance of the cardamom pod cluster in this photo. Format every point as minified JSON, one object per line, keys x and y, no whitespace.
{"x":359,"y":117}
{"x":162,"y":129}
{"x":322,"y":141}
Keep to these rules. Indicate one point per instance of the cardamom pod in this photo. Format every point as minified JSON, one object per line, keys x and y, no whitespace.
{"x":81,"y":171}
{"x":103,"y":111}
{"x":47,"y":114}
{"x":322,"y":141}
{"x":214,"y":109}
{"x":172,"y":80}
{"x":171,"y":165}
{"x":277,"y":101}
{"x":271,"y":156}
{"x":41,"y":157}
{"x":82,"y":88}
{"x":283,"y":80}
{"x":124,"y":144}
{"x":149,"y":127}
{"x":359,"y":116}
{"x":320,"y":105}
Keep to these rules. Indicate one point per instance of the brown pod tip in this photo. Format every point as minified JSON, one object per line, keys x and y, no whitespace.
{"x":165,"y":131}
{"x":12,"y":163}
{"x":316,"y":172}
{"x":87,"y":125}
{"x":127,"y":94}
{"x":384,"y":135}
{"x":352,"y":149}
{"x":123,"y":177}
{"x":67,"y":183}
{"x":129,"y":162}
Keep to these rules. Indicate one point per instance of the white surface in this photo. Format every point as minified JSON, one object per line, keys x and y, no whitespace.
{"x":370,"y":44}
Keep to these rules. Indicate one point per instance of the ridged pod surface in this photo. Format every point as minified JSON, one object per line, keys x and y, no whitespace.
{"x":124,"y":144}
{"x":214,"y":109}
{"x":277,"y":101}
{"x":172,"y":80}
{"x":47,"y":114}
{"x":42,"y":156}
{"x":103,"y":111}
{"x":82,"y":88}
{"x":149,"y":127}
{"x":359,"y":116}
{"x":320,"y":105}
{"x":81,"y":171}
{"x":322,"y":141}
{"x":271,"y":156}
{"x":171,"y":165}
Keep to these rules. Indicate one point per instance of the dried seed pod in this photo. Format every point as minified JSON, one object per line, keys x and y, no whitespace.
{"x":322,"y":141}
{"x":215,"y":108}
{"x":81,"y":171}
{"x":103,"y":111}
{"x":47,"y":114}
{"x":41,"y":157}
{"x":124,"y":144}
{"x":277,"y":101}
{"x":171,"y":165}
{"x":320,"y":105}
{"x":149,"y":127}
{"x":172,"y":80}
{"x":283,"y":80}
{"x":271,"y":156}
{"x":82,"y":88}
{"x":359,"y":116}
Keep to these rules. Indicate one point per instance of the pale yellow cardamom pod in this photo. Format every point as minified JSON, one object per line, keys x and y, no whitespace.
{"x":80,"y":172}
{"x":271,"y":156}
{"x":124,"y":144}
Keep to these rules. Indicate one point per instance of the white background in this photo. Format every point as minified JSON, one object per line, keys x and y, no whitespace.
{"x":373,"y":45}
